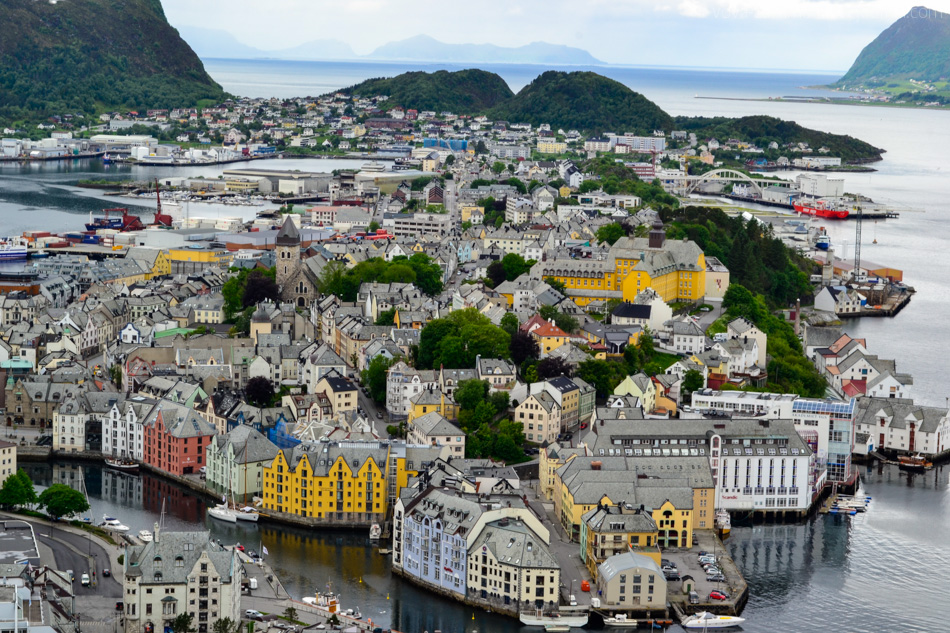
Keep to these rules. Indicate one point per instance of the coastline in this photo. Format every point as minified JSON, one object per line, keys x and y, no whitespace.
{"x":828,"y":101}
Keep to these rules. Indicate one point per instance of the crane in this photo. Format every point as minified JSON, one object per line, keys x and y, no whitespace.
{"x":857,"y":243}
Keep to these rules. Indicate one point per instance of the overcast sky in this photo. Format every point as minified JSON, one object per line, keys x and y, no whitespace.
{"x":775,"y":34}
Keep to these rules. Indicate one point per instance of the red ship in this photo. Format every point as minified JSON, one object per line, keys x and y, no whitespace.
{"x":819,"y":209}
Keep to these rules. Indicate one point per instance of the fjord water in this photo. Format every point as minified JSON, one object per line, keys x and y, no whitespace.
{"x":879,"y":571}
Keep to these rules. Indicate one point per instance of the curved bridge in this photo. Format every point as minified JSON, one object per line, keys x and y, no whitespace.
{"x":721,"y":175}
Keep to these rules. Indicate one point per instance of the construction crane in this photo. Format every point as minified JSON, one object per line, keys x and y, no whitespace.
{"x":857,"y":243}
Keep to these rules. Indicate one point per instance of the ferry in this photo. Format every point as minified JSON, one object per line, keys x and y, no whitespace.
{"x":13,"y":248}
{"x":820,"y":209}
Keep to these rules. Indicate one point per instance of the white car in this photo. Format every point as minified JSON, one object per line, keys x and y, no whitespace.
{"x":84,"y":579}
{"x":253,"y":614}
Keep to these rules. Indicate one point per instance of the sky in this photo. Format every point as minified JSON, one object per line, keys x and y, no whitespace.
{"x":819,"y":35}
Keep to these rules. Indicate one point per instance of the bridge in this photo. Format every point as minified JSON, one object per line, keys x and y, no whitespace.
{"x":690,"y":183}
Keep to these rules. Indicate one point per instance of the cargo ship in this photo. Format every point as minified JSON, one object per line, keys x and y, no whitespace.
{"x":819,"y":209}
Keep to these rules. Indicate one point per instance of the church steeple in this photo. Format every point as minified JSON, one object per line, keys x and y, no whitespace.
{"x":288,"y":256}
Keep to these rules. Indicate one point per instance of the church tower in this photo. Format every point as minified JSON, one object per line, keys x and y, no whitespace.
{"x":288,"y":257}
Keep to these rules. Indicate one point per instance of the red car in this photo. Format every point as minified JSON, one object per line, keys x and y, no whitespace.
{"x":717,"y":595}
{"x":583,"y":426}
{"x":239,"y":548}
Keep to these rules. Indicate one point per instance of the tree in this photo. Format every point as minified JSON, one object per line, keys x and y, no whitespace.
{"x":373,"y":227}
{"x":470,"y":393}
{"x":523,"y":346}
{"x":610,"y":233}
{"x":500,"y":401}
{"x":59,"y":500}
{"x":509,"y":323}
{"x":115,"y":373}
{"x":692,"y":381}
{"x":374,"y":377}
{"x":233,"y":293}
{"x":450,"y":160}
{"x":290,"y":613}
{"x":552,"y":367}
{"x":556,"y":284}
{"x":497,"y":167}
{"x":259,"y":391}
{"x":226,"y":625}
{"x":17,"y":491}
{"x":333,"y":280}
{"x":514,"y":266}
{"x":603,"y":375}
{"x":182,"y":624}
{"x":387,"y":317}
{"x":260,"y":286}
{"x":496,"y":274}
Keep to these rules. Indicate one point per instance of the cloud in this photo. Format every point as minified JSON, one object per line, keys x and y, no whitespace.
{"x":692,"y":9}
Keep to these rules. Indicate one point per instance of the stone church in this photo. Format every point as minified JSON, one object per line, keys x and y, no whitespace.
{"x":297,"y":281}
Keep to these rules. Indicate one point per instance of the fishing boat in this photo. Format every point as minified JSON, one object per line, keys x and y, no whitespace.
{"x":125,"y":465}
{"x":620,"y":621}
{"x":723,"y":523}
{"x":823,"y":242}
{"x":543,"y":620}
{"x":112,"y":523}
{"x":247,"y":513}
{"x":327,"y":602}
{"x":914,"y":463}
{"x":145,"y":536}
{"x":705,"y":620}
{"x":13,"y":248}
{"x":820,"y":209}
{"x":375,"y":532}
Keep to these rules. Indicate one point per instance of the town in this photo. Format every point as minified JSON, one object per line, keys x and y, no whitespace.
{"x":504,"y":352}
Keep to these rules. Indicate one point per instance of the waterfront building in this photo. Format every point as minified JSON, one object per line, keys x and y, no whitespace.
{"x":827,"y":425}
{"x":122,"y":430}
{"x":236,"y":461}
{"x":901,"y":426}
{"x":345,"y":483}
{"x":69,"y":426}
{"x":631,"y":581}
{"x":615,"y":529}
{"x":488,"y":548}
{"x":176,"y":438}
{"x":180,"y":572}
{"x":757,"y":465}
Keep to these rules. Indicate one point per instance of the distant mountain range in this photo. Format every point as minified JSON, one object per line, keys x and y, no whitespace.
{"x":214,"y":43}
{"x":917,"y":46}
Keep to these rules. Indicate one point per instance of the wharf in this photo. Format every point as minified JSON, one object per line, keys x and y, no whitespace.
{"x":735,"y":586}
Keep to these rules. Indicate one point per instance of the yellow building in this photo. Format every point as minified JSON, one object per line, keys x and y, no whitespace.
{"x":549,"y":336}
{"x":347,"y":483}
{"x":640,"y":386}
{"x":551,"y":146}
{"x":675,"y":269}
{"x":608,"y":530}
{"x":432,"y":400}
{"x":190,"y":260}
{"x":466,"y":211}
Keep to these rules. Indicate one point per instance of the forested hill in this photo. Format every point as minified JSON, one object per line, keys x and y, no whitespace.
{"x":462,"y":92}
{"x":89,"y":55}
{"x":917,"y":46}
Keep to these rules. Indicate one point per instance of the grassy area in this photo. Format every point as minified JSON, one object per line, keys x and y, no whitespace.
{"x":663,"y":361}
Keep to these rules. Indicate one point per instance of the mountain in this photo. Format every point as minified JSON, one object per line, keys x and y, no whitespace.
{"x":91,"y":55}
{"x":215,"y":43}
{"x":583,"y":101}
{"x":425,"y":48}
{"x":463,"y":92}
{"x":917,"y":46}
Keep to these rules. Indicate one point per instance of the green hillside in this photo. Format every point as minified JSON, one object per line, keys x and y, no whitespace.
{"x":917,"y":46}
{"x":462,"y":92}
{"x":764,"y":129}
{"x":90,"y":55}
{"x":583,"y":101}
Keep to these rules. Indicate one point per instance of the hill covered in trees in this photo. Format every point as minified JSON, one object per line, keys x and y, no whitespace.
{"x":91,"y":55}
{"x":462,"y":92}
{"x":917,"y":46}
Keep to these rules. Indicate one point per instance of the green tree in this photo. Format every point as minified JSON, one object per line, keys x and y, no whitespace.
{"x":509,"y":323}
{"x":470,"y":393}
{"x":387,"y":317}
{"x":450,"y":160}
{"x":496,"y":274}
{"x":499,"y":401}
{"x":514,"y":266}
{"x":610,"y":233}
{"x":59,"y":500}
{"x":259,"y":391}
{"x":260,"y":286}
{"x":556,"y":284}
{"x":523,"y":347}
{"x":692,"y":381}
{"x":226,"y":625}
{"x":373,"y":227}
{"x":17,"y":491}
{"x":497,"y":167}
{"x":183,"y":623}
{"x":290,"y":613}
{"x":115,"y":373}
{"x":374,"y":377}
{"x":233,"y":293}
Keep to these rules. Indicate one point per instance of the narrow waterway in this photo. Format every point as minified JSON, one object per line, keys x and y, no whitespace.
{"x":881,"y":566}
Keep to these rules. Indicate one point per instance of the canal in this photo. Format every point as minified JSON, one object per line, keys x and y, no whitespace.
{"x":883,"y":566}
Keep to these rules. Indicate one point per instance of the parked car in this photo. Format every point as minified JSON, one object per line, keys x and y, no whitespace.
{"x":379,"y":415}
{"x":702,"y":553}
{"x":667,"y":568}
{"x":672,"y":575}
{"x":583,"y":425}
{"x":253,"y":614}
{"x":715,"y":578}
{"x":203,"y":470}
{"x":667,"y":562}
{"x":693,"y":597}
{"x":718,"y":595}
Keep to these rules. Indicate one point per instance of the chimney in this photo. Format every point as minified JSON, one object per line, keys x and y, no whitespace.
{"x":596,"y":465}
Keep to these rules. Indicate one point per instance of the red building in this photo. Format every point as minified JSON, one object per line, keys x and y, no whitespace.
{"x":176,"y":438}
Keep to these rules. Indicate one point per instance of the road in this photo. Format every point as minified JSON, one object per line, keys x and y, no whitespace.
{"x":73,"y":551}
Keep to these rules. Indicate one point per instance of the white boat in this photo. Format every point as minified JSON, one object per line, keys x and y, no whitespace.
{"x":705,"y":620}
{"x":224,"y":513}
{"x":13,"y":248}
{"x":375,"y":532}
{"x":247,"y":513}
{"x":145,"y":536}
{"x":620,"y":621}
{"x":112,"y":523}
{"x":125,"y":465}
{"x":553,"y":619}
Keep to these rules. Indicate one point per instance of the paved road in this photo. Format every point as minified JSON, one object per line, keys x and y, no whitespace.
{"x":82,"y":555}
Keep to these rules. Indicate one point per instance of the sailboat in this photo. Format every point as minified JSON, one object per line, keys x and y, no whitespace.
{"x":223,"y":511}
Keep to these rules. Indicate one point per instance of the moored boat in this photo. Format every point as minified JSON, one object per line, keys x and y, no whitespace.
{"x":112,"y":523}
{"x":247,"y":513}
{"x":375,"y":532}
{"x":620,"y":621}
{"x":544,"y":620}
{"x":823,"y":242}
{"x":914,"y":463}
{"x":125,"y":465}
{"x":705,"y":620}
{"x":223,"y":512}
{"x":145,"y":536}
{"x":723,"y":523}
{"x":820,"y":209}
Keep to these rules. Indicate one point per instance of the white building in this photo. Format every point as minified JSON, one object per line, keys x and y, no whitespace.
{"x":402,"y":383}
{"x":122,"y":430}
{"x":820,"y":185}
{"x":901,"y":426}
{"x":69,"y":426}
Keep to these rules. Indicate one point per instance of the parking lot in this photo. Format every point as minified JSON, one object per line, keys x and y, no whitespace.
{"x":688,"y":564}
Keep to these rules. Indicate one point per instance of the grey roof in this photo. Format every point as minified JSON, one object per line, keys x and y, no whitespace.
{"x":607,"y":518}
{"x":435,"y":424}
{"x":249,"y":446}
{"x":898,"y":412}
{"x":162,"y":554}
{"x":288,"y":234}
{"x":625,"y":562}
{"x":514,"y":543}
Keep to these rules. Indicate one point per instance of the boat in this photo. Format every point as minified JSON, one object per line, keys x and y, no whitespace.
{"x":328,"y":602}
{"x":125,"y":465}
{"x":106,"y":160}
{"x":223,"y":512}
{"x":13,"y":248}
{"x":557,"y":628}
{"x":723,"y":523}
{"x":620,"y":621}
{"x":112,"y":523}
{"x":247,"y":513}
{"x":375,"y":532}
{"x":823,"y":242}
{"x":705,"y":620}
{"x":145,"y":536}
{"x":914,"y":463}
{"x":544,"y":620}
{"x":820,"y":209}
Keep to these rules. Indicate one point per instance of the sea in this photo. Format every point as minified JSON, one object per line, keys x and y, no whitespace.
{"x":879,"y":571}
